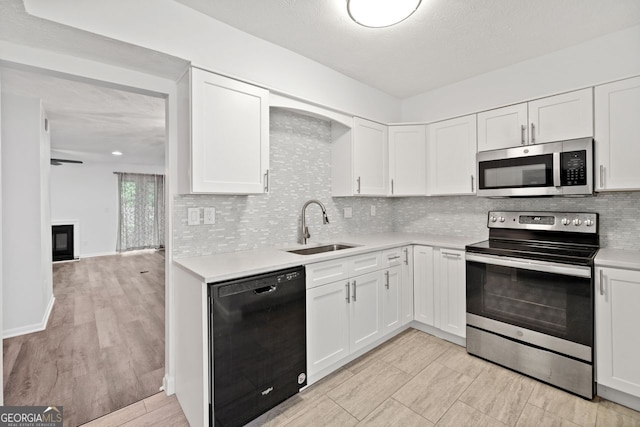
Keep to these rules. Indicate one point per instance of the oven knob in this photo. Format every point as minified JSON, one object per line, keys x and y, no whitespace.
{"x":493,"y":219}
{"x":565,"y":221}
{"x":577,"y":222}
{"x":501,"y":219}
{"x":588,"y":223}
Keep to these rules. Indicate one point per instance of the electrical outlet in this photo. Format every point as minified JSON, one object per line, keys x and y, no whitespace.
{"x":193,"y":216}
{"x":348,"y":212}
{"x":373,"y":210}
{"x":209,"y":215}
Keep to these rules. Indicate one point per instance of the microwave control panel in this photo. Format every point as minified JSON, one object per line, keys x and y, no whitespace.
{"x":574,"y":168}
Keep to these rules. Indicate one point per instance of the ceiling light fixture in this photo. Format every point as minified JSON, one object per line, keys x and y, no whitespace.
{"x":381,"y":13}
{"x":117,"y":153}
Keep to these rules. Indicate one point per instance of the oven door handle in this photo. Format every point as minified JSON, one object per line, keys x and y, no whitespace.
{"x":526,"y":264}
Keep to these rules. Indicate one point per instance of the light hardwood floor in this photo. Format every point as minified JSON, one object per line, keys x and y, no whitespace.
{"x":103,"y":348}
{"x":415,"y":380}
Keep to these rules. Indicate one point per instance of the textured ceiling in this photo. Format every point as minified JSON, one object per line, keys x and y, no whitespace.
{"x":443,"y":42}
{"x":19,"y":27}
{"x":88,"y":122}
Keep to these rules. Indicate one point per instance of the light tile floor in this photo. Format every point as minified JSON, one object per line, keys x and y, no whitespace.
{"x":414,"y":379}
{"x":419,"y":380}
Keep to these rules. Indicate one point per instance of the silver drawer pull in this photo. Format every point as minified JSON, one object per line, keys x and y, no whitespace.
{"x":386,"y":274}
{"x":451,"y":254}
{"x":348,"y":298}
{"x":391,"y":258}
{"x":406,"y":256}
{"x":601,"y":283}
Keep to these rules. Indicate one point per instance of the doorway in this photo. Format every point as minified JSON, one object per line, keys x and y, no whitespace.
{"x":102,"y":346}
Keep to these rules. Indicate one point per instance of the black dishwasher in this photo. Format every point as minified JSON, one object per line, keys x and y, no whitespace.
{"x":257,"y":344}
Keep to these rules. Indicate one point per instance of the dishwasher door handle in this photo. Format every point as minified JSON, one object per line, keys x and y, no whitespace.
{"x":265,"y":289}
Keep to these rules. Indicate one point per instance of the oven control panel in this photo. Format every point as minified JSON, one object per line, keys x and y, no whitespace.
{"x":580,"y":222}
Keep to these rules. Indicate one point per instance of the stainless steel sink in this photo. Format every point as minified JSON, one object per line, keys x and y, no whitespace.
{"x":321,"y":249}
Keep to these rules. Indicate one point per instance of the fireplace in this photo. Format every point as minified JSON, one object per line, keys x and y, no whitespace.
{"x":62,"y":242}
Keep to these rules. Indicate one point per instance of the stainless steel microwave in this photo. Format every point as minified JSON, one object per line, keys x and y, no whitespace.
{"x":563,"y":168}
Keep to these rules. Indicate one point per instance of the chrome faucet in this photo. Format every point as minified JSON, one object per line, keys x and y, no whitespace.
{"x":304,"y":229}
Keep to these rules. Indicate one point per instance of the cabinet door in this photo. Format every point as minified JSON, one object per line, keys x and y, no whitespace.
{"x":365,"y":321}
{"x":451,"y":156}
{"x":392,"y":299}
{"x":230,"y":135}
{"x":408,"y":160}
{"x":423,"y":285}
{"x":370,"y":154}
{"x":617,"y":320}
{"x":327,"y":325}
{"x":407,"y":284}
{"x":503,"y":127}
{"x":617,"y":129}
{"x":452,"y":289}
{"x":561,"y":117}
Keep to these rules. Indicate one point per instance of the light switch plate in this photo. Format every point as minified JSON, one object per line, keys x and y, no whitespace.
{"x":373,"y":210}
{"x":209,"y":215}
{"x":348,"y":212}
{"x":193,"y":216}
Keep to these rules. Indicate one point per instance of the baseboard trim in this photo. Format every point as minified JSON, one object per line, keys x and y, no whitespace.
{"x":169,"y":385}
{"x":29,"y":329}
{"x":619,"y":397}
{"x":439,"y":333}
{"x":98,"y":254}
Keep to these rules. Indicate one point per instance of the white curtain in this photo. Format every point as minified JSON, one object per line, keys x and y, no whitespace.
{"x":141,"y":219}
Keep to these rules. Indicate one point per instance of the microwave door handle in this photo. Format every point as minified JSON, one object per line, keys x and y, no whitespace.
{"x":557,"y":167}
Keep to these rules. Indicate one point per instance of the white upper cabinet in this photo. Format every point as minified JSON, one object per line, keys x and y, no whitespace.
{"x":370,"y":154}
{"x":561,"y":117}
{"x":229,"y":138}
{"x":617,"y":110}
{"x":503,"y":127}
{"x":451,"y":155}
{"x":408,"y":160}
{"x":555,"y":118}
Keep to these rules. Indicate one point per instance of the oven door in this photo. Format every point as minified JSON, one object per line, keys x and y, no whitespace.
{"x":546,"y":304}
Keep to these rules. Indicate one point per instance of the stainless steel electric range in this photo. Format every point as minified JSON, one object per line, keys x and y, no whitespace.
{"x":530,"y":296}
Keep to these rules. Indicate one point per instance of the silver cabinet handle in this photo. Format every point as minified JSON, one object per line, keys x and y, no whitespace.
{"x":523,"y":128}
{"x":348,"y":297}
{"x":358,"y":181}
{"x":406,"y":256}
{"x":601,"y":176}
{"x":451,"y":254}
{"x":391,"y":258}
{"x":354,"y":291}
{"x":386,"y":274}
{"x":266,"y":181}
{"x":533,"y":133}
{"x":473,"y":187}
{"x":601,"y":283}
{"x":391,"y":186}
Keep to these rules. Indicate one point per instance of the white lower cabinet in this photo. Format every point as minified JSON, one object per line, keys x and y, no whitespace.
{"x":392,"y":299}
{"x":406,"y":292}
{"x":365,"y":313}
{"x":351,"y":313}
{"x":439,"y":289}
{"x":327,"y":325}
{"x":452,"y":289}
{"x":617,"y":320}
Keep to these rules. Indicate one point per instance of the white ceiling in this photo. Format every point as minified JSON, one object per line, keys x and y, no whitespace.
{"x":88,"y":122}
{"x":443,"y":42}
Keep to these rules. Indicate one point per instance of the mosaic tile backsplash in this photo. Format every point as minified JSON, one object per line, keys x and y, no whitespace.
{"x":300,"y":169}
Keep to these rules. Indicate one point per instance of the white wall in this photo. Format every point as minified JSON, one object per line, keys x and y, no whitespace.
{"x":607,"y":58}
{"x":170,"y":27}
{"x":27,"y":290}
{"x":89,"y":193}
{"x":1,"y":287}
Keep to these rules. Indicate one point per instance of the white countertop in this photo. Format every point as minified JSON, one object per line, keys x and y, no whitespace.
{"x":232,"y":265}
{"x":618,"y":258}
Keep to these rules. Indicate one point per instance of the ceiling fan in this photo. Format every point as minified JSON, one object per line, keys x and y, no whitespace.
{"x":58,"y":162}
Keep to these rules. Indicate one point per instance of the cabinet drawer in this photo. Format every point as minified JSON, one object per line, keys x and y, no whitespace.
{"x":327,"y":271}
{"x":392,"y":257}
{"x":365,"y":263}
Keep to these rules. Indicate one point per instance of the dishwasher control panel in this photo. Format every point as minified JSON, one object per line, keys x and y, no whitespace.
{"x":287,"y":277}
